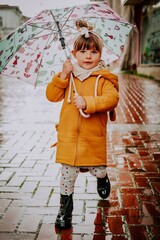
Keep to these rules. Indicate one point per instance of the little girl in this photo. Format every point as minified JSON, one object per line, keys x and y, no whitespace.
{"x":89,"y":91}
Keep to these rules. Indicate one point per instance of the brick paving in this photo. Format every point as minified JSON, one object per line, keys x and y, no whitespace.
{"x":29,"y":178}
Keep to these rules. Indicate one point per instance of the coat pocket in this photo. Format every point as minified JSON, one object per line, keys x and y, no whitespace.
{"x":93,"y":127}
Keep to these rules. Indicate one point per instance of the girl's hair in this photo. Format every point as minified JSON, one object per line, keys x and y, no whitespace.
{"x":93,"y":41}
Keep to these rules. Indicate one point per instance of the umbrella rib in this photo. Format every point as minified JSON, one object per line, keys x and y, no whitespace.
{"x":64,"y":24}
{"x":51,"y":31}
{"x":71,"y":11}
{"x":41,"y":62}
{"x":43,"y":28}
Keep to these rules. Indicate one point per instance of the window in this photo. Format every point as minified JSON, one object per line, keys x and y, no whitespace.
{"x":150,"y":44}
{"x":1,"y":22}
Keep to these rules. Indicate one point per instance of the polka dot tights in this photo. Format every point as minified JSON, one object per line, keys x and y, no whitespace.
{"x":69,"y":175}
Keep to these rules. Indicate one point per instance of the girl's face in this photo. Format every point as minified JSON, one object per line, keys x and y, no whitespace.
{"x":87,"y":58}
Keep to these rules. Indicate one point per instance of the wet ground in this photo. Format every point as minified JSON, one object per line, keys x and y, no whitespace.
{"x":29,"y":178}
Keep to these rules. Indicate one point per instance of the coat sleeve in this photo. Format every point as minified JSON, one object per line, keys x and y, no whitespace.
{"x":106,"y":102}
{"x":56,"y":88}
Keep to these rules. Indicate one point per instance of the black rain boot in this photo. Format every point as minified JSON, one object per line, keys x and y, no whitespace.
{"x":103,"y":187}
{"x":64,"y":217}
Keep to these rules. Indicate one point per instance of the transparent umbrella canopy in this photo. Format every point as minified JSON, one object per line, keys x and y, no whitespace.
{"x":37,"y":49}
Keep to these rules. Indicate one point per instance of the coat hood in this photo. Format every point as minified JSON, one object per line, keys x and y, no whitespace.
{"x":108,"y":76}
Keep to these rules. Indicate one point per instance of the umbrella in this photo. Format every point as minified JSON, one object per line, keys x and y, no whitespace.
{"x":37,"y":49}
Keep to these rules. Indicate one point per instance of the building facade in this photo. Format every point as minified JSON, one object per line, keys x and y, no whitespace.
{"x":10,"y":18}
{"x":145,"y":47}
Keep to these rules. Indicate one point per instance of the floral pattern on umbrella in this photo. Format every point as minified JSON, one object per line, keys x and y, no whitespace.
{"x":33,"y":52}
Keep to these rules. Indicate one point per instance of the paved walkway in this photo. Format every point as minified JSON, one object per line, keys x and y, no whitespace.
{"x":29,"y":178}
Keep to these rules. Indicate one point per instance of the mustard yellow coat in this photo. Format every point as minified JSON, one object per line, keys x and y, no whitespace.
{"x":82,"y":141}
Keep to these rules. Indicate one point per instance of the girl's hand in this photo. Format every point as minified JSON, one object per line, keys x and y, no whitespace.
{"x":67,"y":68}
{"x":79,"y":102}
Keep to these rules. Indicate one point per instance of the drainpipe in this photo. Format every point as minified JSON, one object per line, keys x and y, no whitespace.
{"x":138,"y":21}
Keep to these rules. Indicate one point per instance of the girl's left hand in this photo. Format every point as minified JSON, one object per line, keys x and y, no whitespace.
{"x":79,"y":102}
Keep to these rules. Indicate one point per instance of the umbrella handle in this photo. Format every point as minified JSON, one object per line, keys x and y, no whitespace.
{"x":85,"y":115}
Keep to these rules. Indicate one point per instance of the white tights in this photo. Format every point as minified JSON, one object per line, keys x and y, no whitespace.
{"x":69,"y":175}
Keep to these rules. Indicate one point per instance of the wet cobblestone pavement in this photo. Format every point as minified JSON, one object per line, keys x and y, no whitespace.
{"x":29,"y":178}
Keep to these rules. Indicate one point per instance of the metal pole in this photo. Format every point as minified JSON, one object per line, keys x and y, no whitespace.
{"x":62,"y":40}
